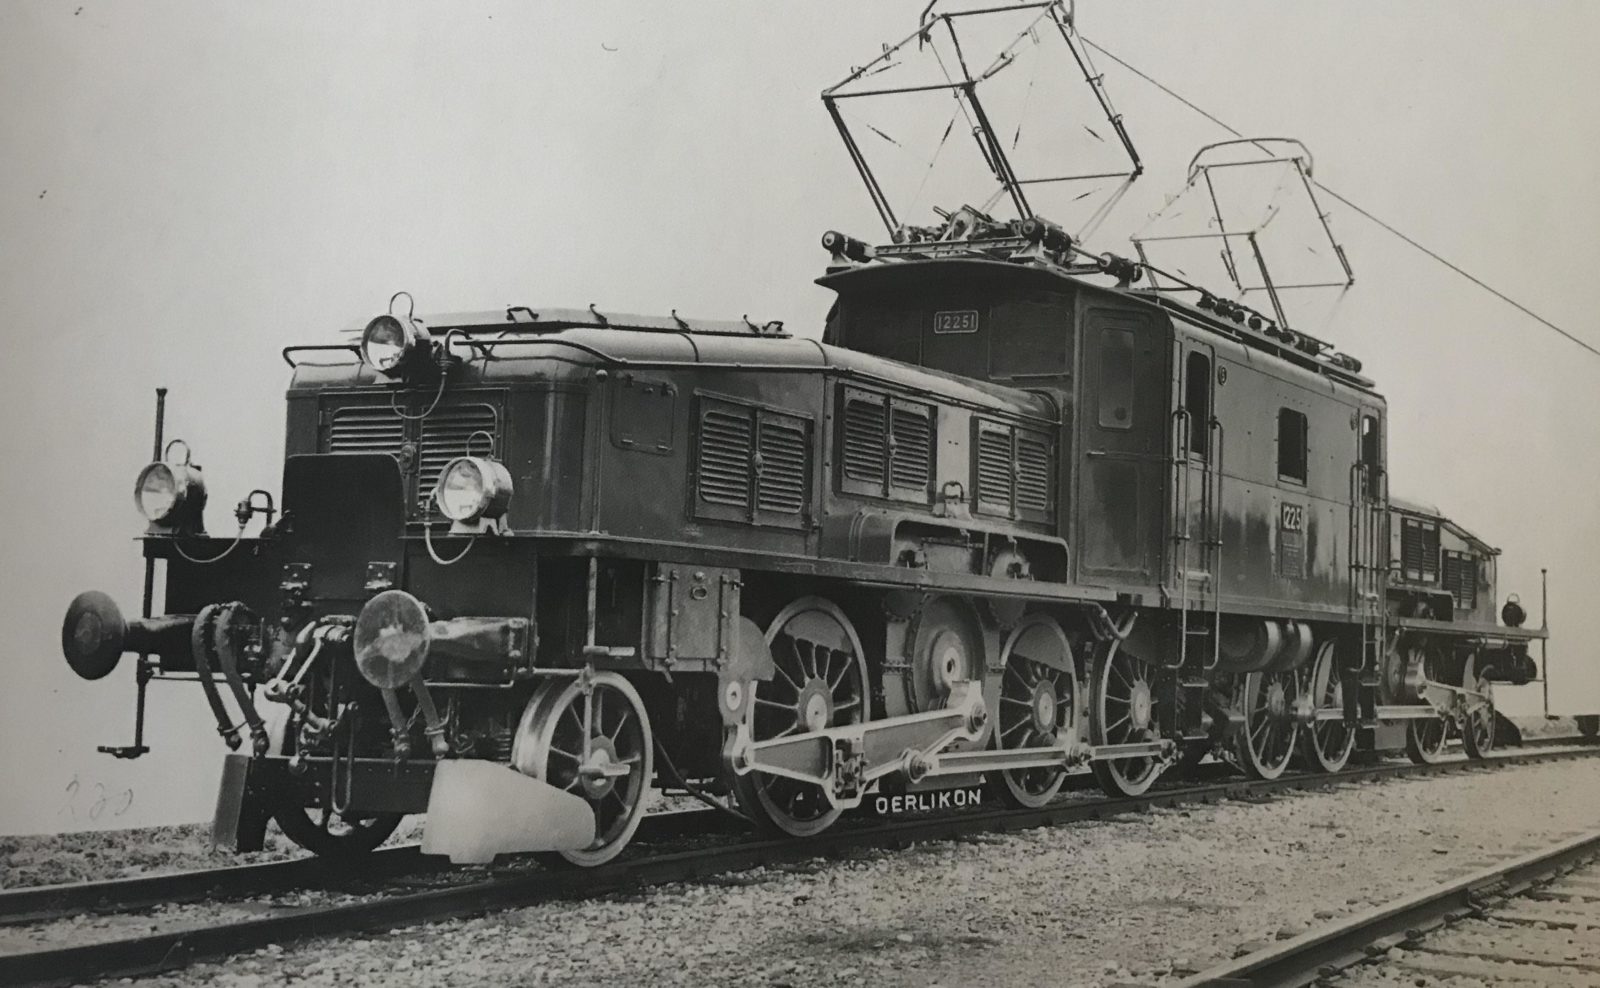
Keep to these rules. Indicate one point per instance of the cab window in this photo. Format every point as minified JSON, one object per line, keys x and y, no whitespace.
{"x":1291,"y":445}
{"x":1116,"y":379}
{"x":1197,"y":402}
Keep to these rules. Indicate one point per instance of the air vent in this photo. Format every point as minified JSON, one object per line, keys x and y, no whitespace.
{"x":1033,"y":472}
{"x":445,"y":434}
{"x":752,"y":465}
{"x":724,"y":463}
{"x":911,"y":449}
{"x":1461,"y":578}
{"x":1419,"y":550}
{"x":993,"y":469}
{"x":781,"y":478}
{"x":863,"y":437}
{"x":373,"y":429}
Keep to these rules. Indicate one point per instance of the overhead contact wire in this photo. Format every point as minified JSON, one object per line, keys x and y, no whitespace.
{"x":1502,"y":296}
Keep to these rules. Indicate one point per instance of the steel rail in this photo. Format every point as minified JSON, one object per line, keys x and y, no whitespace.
{"x":1322,"y":953}
{"x":47,"y":903}
{"x":165,"y":951}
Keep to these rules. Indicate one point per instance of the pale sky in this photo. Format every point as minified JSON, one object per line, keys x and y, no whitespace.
{"x":187,"y":187}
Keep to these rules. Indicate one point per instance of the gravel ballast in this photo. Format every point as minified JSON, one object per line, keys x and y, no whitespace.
{"x":1135,"y":900}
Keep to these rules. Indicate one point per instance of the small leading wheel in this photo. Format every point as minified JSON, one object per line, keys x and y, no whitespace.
{"x":1270,"y":729}
{"x":595,"y":743}
{"x":1327,"y":744}
{"x":820,"y":681}
{"x":1038,"y":707}
{"x":1477,"y":716}
{"x":1426,"y":737}
{"x":1588,"y":725}
{"x":1122,"y":710}
{"x":332,"y":835}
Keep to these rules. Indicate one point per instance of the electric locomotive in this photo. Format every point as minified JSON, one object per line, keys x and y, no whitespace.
{"x":1012,"y":516}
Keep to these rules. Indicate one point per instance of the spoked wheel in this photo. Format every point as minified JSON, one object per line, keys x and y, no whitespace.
{"x":594,"y":743}
{"x":1038,"y":707}
{"x":1327,"y":744}
{"x":1122,"y":710}
{"x":1425,"y":739}
{"x":1267,"y":741}
{"x":820,"y":681}
{"x":332,"y":835}
{"x":1477,"y":721}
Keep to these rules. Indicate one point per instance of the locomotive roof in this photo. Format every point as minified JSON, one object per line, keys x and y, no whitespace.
{"x":541,"y":319}
{"x":526,"y":356}
{"x":1429,"y":511}
{"x":1006,"y":274}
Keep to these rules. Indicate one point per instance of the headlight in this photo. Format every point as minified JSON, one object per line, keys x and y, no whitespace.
{"x":389,"y":343}
{"x":156,"y":493}
{"x":171,"y":495}
{"x":391,"y":639}
{"x":471,"y":488}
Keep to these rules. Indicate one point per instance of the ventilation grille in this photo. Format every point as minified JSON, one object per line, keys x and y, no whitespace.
{"x":911,"y":454}
{"x":1419,"y":550}
{"x":994,"y":469}
{"x":724,"y":464}
{"x":445,"y":435}
{"x":373,"y":429}
{"x":1461,"y":578}
{"x":863,"y":440}
{"x":781,"y":481}
{"x":1033,"y":473}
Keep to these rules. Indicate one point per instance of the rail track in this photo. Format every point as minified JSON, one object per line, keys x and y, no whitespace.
{"x":1487,"y":925}
{"x":395,"y":893}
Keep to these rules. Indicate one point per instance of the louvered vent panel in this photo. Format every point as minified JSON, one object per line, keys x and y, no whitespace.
{"x":912,"y":452}
{"x":724,"y":459}
{"x":781,"y":484}
{"x":1033,"y":473}
{"x":994,"y":470}
{"x":1461,"y":578}
{"x":365,"y":430}
{"x":1419,"y":550}
{"x":863,"y":440}
{"x":444,"y":437}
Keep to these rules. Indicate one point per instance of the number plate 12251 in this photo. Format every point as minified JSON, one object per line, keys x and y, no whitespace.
{"x":956,"y":321}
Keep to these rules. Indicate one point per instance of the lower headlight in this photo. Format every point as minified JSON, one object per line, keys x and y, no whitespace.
{"x":473,"y":488}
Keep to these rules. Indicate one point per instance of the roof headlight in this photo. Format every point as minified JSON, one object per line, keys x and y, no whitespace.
{"x":473,"y":492}
{"x":389,"y":343}
{"x":171,"y":495}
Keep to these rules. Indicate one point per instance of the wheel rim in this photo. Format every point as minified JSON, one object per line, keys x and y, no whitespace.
{"x":1038,"y":706}
{"x":1478,"y":727}
{"x":1329,"y":742}
{"x":819,"y":681}
{"x":1125,"y":712}
{"x":329,"y":834}
{"x":1270,"y":730}
{"x":596,"y":745}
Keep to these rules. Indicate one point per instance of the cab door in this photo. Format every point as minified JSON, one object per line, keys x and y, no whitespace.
{"x":1196,"y":457}
{"x":1122,"y":436}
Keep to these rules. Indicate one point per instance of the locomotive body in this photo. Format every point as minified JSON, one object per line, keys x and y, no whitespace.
{"x":1002,"y":522}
